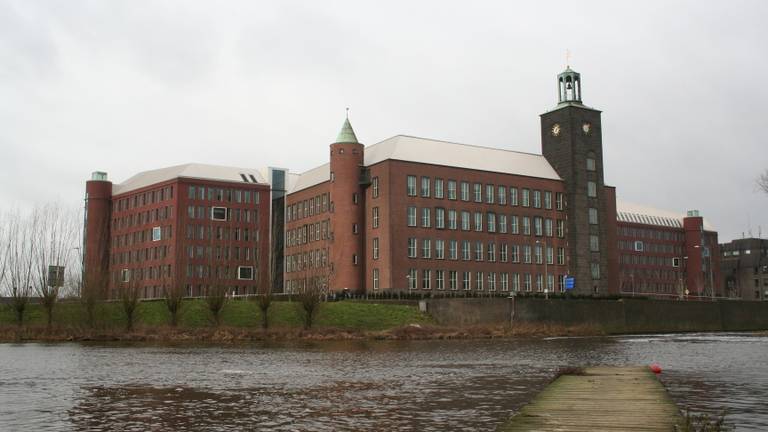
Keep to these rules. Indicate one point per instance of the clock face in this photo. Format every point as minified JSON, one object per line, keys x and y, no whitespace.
{"x":586,"y":128}
{"x":555,"y":129}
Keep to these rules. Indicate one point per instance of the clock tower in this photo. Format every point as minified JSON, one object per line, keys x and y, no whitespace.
{"x":571,"y":140}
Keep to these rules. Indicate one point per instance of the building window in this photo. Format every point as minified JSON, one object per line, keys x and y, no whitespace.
{"x":505,"y":281}
{"x":478,"y":221}
{"x":466,"y":281}
{"x":478,"y":251}
{"x":515,"y":282}
{"x":527,"y":282}
{"x":451,"y":189}
{"x":491,"y":252}
{"x":413,"y":278}
{"x":489,"y":195}
{"x":465,"y":250}
{"x":440,"y":249}
{"x":561,"y":256}
{"x":594,"y":243}
{"x":479,"y":281}
{"x":439,"y":188}
{"x":491,"y":281}
{"x":465,"y":225}
{"x":526,"y":200}
{"x":439,"y":279}
{"x":491,"y":222}
{"x":452,"y":279}
{"x":550,"y":252}
{"x":559,"y":201}
{"x":513,"y":196}
{"x":425,"y":187}
{"x":675,"y":262}
{"x":537,"y":199}
{"x":375,"y":217}
{"x":411,"y":216}
{"x":376,"y":248}
{"x":526,"y":254}
{"x":502,"y":195}
{"x":375,"y":187}
{"x":560,"y":228}
{"x":591,"y":164}
{"x":219,"y":213}
{"x":638,"y":246}
{"x":503,"y":224}
{"x":465,"y":191}
{"x":426,"y":217}
{"x":426,"y":248}
{"x":526,"y":225}
{"x":453,"y":250}
{"x":548,"y":200}
{"x":478,"y":188}
{"x":595,"y":270}
{"x":591,"y":189}
{"x":157,"y":233}
{"x":513,"y":225}
{"x":515,"y":253}
{"x":452,"y":219}
{"x":412,"y":243}
{"x":548,"y":227}
{"x":245,"y":273}
{"x":411,"y":185}
{"x":333,"y":177}
{"x":375,"y":279}
{"x":439,"y":218}
{"x":354,"y":229}
{"x":426,"y":279}
{"x":125,"y":275}
{"x":503,"y":252}
{"x":593,"y":216}
{"x":538,"y":254}
{"x":538,"y":228}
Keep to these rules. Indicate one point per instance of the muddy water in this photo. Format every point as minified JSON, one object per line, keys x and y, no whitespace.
{"x":361,"y":386}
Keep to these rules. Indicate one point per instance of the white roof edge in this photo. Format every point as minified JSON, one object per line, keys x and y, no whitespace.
{"x":189,"y":171}
{"x":637,"y":213}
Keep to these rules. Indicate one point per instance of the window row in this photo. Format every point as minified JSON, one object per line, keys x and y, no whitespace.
{"x":626,"y":231}
{"x":222,"y":214}
{"x":308,"y":233}
{"x":143,"y":217}
{"x":144,"y":198}
{"x":653,"y":260}
{"x":308,"y":207}
{"x":208,"y":193}
{"x":204,"y":232}
{"x":143,"y":236}
{"x":142,"y":273}
{"x":637,"y":274}
{"x":478,"y":192}
{"x":440,"y":218}
{"x":466,"y":250}
{"x":139,"y":255}
{"x":202,"y":271}
{"x":453,"y":280}
{"x":219,"y":253}
{"x":640,"y":246}
{"x":314,"y":259}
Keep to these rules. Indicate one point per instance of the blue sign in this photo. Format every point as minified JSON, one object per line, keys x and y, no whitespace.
{"x":570,"y":282}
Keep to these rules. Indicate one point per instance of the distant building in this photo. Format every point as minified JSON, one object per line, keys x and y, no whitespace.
{"x":665,"y":254}
{"x":413,"y":214}
{"x":180,"y":227}
{"x":745,"y":268}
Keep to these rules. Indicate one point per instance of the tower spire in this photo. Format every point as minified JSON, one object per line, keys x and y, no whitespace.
{"x":346,"y":134}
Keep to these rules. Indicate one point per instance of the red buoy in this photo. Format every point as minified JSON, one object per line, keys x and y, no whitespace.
{"x":655,"y":368}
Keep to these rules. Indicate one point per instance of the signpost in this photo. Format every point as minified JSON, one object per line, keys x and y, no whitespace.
{"x":55,"y":276}
{"x":570,"y":283}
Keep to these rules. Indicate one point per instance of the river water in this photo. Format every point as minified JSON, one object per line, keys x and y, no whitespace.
{"x":470,"y":385}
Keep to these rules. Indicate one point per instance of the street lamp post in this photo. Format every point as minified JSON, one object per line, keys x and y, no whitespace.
{"x":546,"y":273}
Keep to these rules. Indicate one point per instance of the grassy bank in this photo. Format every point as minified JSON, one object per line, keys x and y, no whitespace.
{"x":241,"y":321}
{"x":236,"y":313}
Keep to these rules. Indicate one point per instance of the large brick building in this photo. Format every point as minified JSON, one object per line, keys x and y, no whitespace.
{"x":745,"y":268}
{"x":415,"y":214}
{"x":186,"y":227}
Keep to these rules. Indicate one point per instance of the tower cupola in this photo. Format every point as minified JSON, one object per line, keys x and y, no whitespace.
{"x":569,"y":86}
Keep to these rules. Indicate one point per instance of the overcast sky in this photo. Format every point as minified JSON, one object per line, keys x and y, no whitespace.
{"x":127,"y":86}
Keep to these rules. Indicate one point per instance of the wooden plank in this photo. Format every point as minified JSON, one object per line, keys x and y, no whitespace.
{"x":602,"y":399}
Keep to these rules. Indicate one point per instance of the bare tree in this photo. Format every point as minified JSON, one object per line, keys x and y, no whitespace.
{"x":762,"y":181}
{"x":215,"y":299}
{"x":174,"y":295}
{"x":55,"y":238}
{"x":129,"y":299}
{"x":20,"y":263}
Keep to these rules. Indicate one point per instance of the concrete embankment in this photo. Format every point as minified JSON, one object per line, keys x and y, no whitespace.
{"x":599,"y":399}
{"x":609,"y":316}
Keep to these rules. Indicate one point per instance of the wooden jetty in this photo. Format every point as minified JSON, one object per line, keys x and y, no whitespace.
{"x":600,"y":399}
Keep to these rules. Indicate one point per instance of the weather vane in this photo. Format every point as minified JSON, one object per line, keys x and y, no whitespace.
{"x":567,"y":58}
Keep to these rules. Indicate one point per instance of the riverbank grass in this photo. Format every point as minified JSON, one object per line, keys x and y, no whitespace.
{"x":236,"y":313}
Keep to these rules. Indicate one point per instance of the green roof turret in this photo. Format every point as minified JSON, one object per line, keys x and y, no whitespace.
{"x":346,"y":134}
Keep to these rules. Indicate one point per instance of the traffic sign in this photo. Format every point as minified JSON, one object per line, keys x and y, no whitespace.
{"x":570,"y":282}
